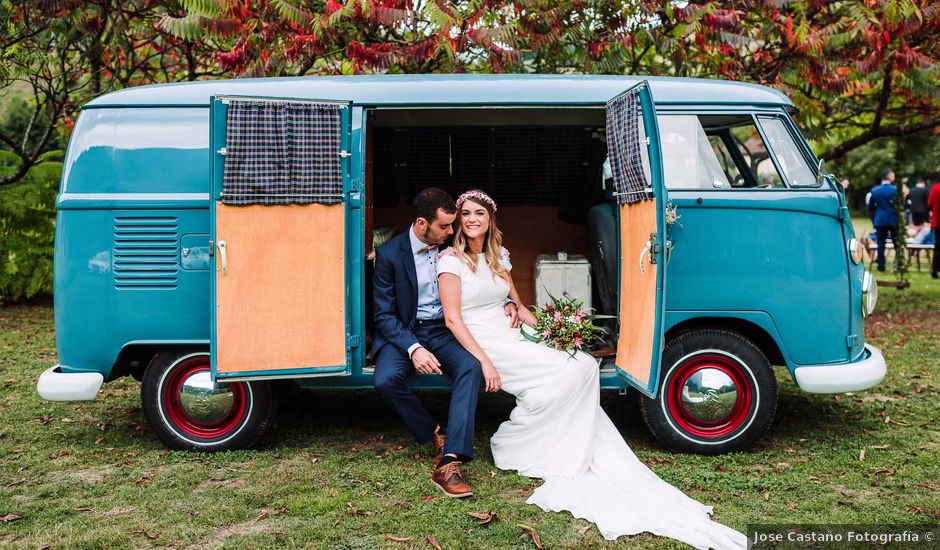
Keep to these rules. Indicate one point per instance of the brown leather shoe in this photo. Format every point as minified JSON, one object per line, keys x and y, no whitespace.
{"x":438,"y":441}
{"x":448,"y":479}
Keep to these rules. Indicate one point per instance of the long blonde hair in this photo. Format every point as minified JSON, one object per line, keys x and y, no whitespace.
{"x":492,"y":241}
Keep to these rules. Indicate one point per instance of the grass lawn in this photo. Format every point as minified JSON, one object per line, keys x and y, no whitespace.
{"x":338,"y":470}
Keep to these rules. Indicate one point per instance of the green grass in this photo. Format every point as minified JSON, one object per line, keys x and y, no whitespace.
{"x":338,"y":470}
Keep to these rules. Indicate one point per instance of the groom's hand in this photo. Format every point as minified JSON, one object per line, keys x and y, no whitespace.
{"x":425,"y":362}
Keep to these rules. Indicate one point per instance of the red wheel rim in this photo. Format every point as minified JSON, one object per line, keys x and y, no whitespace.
{"x":716,"y":428}
{"x":189,"y":425}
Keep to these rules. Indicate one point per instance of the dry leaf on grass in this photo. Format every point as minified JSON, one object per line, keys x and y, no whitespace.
{"x":930,"y":486}
{"x":397,"y":539}
{"x":861,"y":454}
{"x":433,"y":542}
{"x":791,"y":506}
{"x":153,"y":536}
{"x":485,"y":519}
{"x":6,"y":518}
{"x":880,"y":446}
{"x":536,"y":539}
{"x":584,"y":529}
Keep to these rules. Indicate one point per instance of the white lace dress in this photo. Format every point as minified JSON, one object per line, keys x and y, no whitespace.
{"x":559,"y":432}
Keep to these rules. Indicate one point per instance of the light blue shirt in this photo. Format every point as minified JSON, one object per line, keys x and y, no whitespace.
{"x":429,"y":298}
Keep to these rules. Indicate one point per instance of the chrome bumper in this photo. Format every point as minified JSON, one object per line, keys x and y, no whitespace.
{"x":856,"y":376}
{"x":55,"y":385}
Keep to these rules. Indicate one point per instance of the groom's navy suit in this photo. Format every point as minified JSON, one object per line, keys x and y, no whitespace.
{"x":397,"y":328}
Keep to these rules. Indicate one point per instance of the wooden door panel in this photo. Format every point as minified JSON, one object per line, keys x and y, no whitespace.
{"x":637,"y":291}
{"x":280,"y":302}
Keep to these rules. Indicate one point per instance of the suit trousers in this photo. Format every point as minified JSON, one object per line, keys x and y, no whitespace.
{"x":882,"y":236}
{"x":393,"y":367}
{"x":935,"y":268}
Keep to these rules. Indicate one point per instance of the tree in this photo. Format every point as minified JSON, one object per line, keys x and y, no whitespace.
{"x":69,"y":52}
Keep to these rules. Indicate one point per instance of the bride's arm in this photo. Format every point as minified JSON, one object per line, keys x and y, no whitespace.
{"x":449,"y":286}
{"x":525,"y":315}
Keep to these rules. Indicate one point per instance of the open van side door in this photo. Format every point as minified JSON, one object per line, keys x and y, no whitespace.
{"x":637,"y":167}
{"x":278,"y":209}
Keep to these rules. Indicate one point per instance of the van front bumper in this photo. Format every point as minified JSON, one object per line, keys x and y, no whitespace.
{"x":860,"y":375}
{"x":55,"y":385}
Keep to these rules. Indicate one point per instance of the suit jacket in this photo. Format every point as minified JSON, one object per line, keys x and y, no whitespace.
{"x":395,"y":293}
{"x":933,"y":200}
{"x":882,"y":202}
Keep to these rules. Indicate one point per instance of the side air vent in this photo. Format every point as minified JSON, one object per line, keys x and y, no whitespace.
{"x":146,"y":252}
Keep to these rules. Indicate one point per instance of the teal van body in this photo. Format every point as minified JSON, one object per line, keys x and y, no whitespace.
{"x":134,"y":258}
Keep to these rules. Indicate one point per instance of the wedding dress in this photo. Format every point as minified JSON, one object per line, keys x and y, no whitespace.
{"x":559,"y":432}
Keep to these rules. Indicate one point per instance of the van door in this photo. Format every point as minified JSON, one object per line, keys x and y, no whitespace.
{"x":636,"y":165}
{"x":278,"y":211}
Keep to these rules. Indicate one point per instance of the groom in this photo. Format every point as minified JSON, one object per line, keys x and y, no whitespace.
{"x":410,"y":336}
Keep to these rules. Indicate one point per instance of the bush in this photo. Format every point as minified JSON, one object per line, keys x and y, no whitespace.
{"x":27,"y":228}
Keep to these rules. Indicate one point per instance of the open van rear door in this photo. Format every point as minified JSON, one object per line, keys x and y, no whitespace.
{"x":636,"y":164}
{"x":278,"y":211}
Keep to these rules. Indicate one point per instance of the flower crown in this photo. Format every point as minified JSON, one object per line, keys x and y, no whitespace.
{"x":479,"y":195}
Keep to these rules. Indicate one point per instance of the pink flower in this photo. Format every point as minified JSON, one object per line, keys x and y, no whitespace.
{"x":546,"y":333}
{"x":579,"y":316}
{"x":558,"y":316}
{"x":578,"y":342}
{"x":449,"y":251}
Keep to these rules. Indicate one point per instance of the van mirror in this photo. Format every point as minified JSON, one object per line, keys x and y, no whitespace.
{"x":820,"y":175}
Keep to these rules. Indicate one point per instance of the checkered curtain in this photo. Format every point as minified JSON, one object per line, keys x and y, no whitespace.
{"x":282,"y":152}
{"x":624,"y":116}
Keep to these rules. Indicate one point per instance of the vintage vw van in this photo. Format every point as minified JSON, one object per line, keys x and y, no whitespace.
{"x":215,"y":236}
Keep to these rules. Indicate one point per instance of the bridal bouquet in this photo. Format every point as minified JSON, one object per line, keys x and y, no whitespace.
{"x":563,"y":324}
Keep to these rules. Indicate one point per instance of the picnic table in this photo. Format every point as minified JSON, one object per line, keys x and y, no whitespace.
{"x":915,"y":250}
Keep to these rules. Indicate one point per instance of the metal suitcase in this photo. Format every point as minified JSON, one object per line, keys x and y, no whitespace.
{"x":562,"y":275}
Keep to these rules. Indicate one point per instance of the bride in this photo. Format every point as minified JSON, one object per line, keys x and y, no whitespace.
{"x":558,"y":430}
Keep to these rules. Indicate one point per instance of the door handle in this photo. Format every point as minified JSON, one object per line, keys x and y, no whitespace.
{"x":643,"y":253}
{"x":223,"y":256}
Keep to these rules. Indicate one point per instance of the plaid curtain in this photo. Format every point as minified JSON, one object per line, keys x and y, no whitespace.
{"x":282,"y":152}
{"x":624,"y":116}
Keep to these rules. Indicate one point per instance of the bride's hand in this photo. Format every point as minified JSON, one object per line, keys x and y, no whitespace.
{"x":490,"y":376}
{"x":527,"y":317}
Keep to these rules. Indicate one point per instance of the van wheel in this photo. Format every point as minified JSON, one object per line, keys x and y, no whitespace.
{"x":717,"y":393}
{"x":188,"y":411}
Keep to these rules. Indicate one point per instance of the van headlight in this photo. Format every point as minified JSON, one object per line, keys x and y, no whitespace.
{"x":855,"y":250}
{"x":869,"y":293}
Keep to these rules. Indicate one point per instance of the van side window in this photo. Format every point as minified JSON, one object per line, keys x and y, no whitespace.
{"x":744,"y":156}
{"x":689,"y":159}
{"x":793,"y":164}
{"x":715,"y":152}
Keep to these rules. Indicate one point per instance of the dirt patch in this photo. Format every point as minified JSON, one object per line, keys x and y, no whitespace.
{"x":119,"y":511}
{"x":212,"y":484}
{"x":91,"y":476}
{"x":245,"y":528}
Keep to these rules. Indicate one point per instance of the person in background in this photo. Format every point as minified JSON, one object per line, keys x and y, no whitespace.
{"x":933,"y":201}
{"x":845,"y":184}
{"x":884,"y":214}
{"x":918,"y":200}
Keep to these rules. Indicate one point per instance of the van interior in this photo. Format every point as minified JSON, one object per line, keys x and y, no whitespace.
{"x":543,"y":167}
